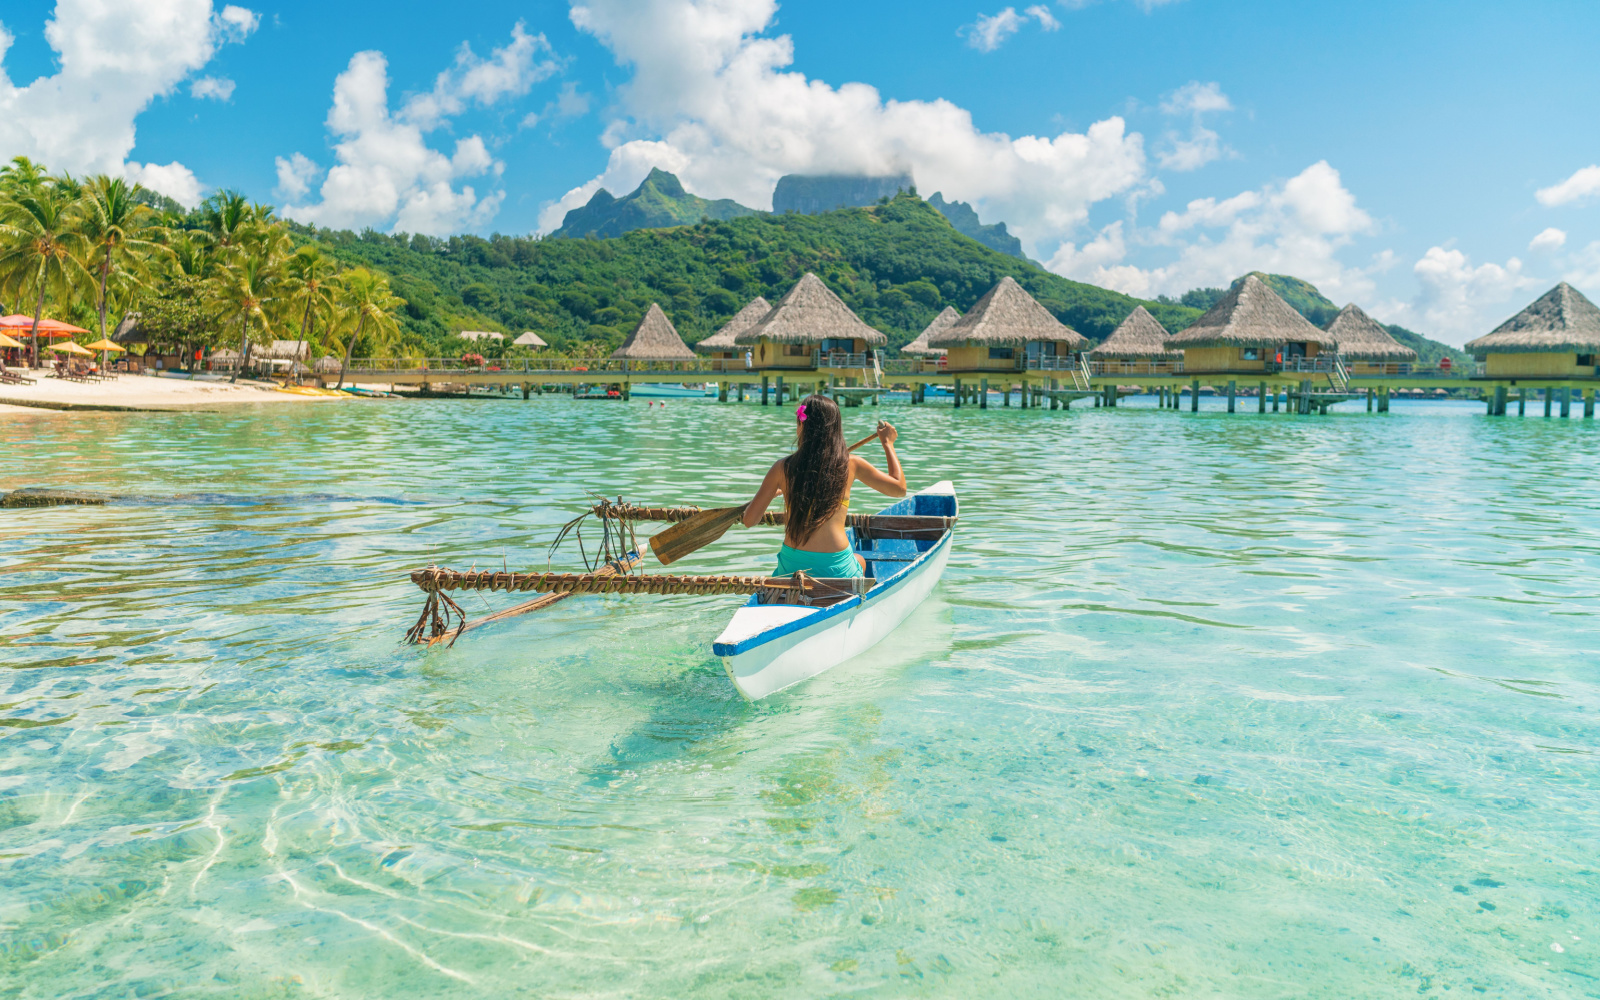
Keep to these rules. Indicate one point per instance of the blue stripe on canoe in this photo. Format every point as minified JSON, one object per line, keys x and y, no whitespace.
{"x":778,"y":631}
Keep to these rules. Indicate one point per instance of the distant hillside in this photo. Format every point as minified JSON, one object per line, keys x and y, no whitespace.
{"x":896,"y":264}
{"x":966,"y":221}
{"x":1303,"y":295}
{"x":660,"y":201}
{"x":1320,"y":310}
{"x":825,"y":193}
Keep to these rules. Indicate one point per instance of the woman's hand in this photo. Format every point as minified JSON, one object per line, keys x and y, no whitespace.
{"x":886,"y":433}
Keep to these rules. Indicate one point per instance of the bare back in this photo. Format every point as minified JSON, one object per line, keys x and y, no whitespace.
{"x":829,"y":536}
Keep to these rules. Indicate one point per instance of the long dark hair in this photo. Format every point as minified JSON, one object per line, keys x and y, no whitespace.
{"x":818,"y":472}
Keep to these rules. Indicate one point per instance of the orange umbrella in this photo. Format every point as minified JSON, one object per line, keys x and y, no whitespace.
{"x":51,"y":328}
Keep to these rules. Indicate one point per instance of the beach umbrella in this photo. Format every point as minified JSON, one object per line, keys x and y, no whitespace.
{"x":103,"y":345}
{"x":6,"y":341}
{"x":70,"y":348}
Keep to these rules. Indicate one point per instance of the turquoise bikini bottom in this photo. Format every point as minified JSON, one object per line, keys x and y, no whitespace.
{"x":820,"y":564}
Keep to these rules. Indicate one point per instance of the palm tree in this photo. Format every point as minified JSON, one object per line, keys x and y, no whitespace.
{"x":365,"y":297}
{"x":244,"y":289}
{"x":228,"y":218}
{"x":21,"y":175}
{"x":309,"y":274}
{"x":121,"y":234}
{"x":41,"y":250}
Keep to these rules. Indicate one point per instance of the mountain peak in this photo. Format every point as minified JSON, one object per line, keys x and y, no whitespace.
{"x":659,"y":202}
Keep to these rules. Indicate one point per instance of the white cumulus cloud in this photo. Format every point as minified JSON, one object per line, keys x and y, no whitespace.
{"x":216,"y":88}
{"x":1582,"y":184}
{"x":510,"y":71}
{"x":113,"y":59}
{"x":1549,"y":239}
{"x":712,"y":101}
{"x":1458,"y":300}
{"x":174,"y":180}
{"x":1296,"y":228}
{"x":386,"y":172}
{"x":990,"y":31}
{"x":1202,"y":145}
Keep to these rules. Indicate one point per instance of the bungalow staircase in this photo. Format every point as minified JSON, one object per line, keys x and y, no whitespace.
{"x":1339,"y":376}
{"x":1080,"y":374}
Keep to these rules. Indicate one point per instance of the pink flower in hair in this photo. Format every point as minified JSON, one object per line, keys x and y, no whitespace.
{"x":800,"y":412}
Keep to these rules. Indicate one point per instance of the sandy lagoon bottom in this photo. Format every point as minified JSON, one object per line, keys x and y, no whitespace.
{"x":1207,"y":705}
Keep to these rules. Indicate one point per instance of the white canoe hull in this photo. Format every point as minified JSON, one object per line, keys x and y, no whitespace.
{"x":767,"y":648}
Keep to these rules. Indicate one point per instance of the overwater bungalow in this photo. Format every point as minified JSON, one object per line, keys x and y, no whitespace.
{"x":1366,"y":347}
{"x":811,"y":327}
{"x":1137,"y":347}
{"x":1008,"y":330}
{"x":528,"y":338}
{"x":1251,"y":330}
{"x":1558,"y":336}
{"x":720,"y":345}
{"x":919,"y":348}
{"x":654,"y":339}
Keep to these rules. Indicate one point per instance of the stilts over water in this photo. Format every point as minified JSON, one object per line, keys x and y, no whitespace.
{"x":1250,"y":344}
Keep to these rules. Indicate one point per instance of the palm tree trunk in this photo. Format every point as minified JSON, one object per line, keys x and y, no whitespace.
{"x":38,"y":311}
{"x":244,"y":347}
{"x":349,"y":347}
{"x":105,"y":269}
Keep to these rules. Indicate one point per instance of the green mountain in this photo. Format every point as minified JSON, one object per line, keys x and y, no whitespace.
{"x":811,"y":195}
{"x":897,"y":265}
{"x":658,"y":202}
{"x":966,"y":221}
{"x":1320,"y":310}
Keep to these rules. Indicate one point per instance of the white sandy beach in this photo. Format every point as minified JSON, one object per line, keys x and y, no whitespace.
{"x":143,"y":392}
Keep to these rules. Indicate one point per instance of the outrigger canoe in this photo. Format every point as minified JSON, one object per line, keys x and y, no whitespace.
{"x":769,"y":647}
{"x":790,"y":630}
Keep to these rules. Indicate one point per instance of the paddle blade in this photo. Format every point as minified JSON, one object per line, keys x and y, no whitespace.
{"x":695,"y":533}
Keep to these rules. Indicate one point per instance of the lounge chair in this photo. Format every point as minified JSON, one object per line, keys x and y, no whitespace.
{"x":10,"y":377}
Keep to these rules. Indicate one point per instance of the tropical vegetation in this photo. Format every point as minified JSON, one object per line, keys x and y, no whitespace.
{"x":228,"y":275}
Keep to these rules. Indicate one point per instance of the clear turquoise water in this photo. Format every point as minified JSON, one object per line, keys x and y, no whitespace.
{"x":1205,"y":706}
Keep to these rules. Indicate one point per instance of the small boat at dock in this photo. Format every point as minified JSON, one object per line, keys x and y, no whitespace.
{"x":768,"y":647}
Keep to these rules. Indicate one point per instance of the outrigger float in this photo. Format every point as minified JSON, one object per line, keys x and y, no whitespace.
{"x":790,"y":630}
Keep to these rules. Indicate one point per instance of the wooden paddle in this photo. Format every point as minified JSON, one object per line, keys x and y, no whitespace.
{"x":705,"y":527}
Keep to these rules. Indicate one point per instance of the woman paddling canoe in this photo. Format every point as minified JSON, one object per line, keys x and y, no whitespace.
{"x":815,"y":481}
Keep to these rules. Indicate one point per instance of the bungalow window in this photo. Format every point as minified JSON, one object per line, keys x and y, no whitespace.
{"x":838,"y":345}
{"x":1250,"y":354}
{"x":1002,"y":353}
{"x":1585,"y":360}
{"x":795,"y":351}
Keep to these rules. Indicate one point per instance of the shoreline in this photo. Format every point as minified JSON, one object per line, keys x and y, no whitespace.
{"x":143,"y":394}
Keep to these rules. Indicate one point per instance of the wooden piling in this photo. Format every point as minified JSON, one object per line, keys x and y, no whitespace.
{"x":1547,"y":400}
{"x":1233,"y":388}
{"x":1588,"y":404}
{"x":1369,"y":399}
{"x":1566,"y":402}
{"x":983,"y":394}
{"x":1194,"y":397}
{"x":1497,"y":405}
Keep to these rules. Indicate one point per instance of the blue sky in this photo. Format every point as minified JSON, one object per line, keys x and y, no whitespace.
{"x":1427,"y":160}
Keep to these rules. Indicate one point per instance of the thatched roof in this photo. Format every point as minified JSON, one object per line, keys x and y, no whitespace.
{"x":1007,"y":314}
{"x":654,"y":339}
{"x":809,"y":314}
{"x":328,"y":363}
{"x":919,"y":347}
{"x":224,"y":354}
{"x":529,"y":339}
{"x":742,"y":320}
{"x":1359,"y":337}
{"x":1562,"y":321}
{"x":283,"y":350}
{"x":480,"y":335}
{"x":1250,"y":315}
{"x":1140,"y":337}
{"x":127,"y":332}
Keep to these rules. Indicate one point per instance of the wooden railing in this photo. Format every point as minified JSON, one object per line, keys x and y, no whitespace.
{"x":1120,"y":367}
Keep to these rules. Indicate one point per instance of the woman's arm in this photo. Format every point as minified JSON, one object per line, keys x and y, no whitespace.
{"x":771,"y":486}
{"x":892,"y":483}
